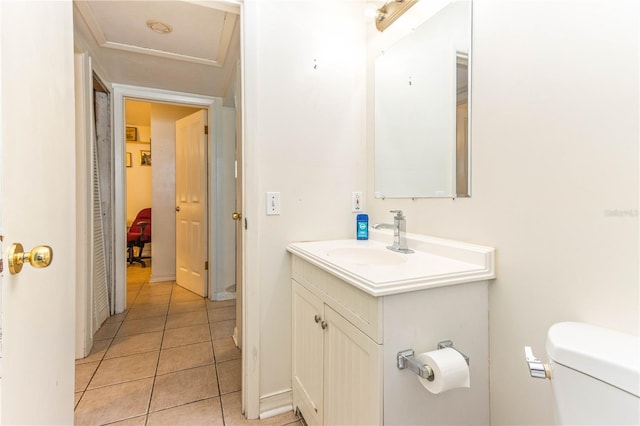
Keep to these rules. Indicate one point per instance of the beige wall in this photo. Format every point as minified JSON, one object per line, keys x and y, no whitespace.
{"x":138,"y":115}
{"x":304,"y":137}
{"x":138,"y":181}
{"x":555,"y":151}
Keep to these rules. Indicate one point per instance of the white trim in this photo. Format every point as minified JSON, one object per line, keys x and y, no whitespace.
{"x":120,"y":93}
{"x":223,"y":295}
{"x":84,"y":154}
{"x":251,"y":277}
{"x":276,"y":403}
{"x":162,"y":278}
{"x":218,"y":62}
{"x":231,"y":6}
{"x":91,"y":21}
{"x":81,"y":46}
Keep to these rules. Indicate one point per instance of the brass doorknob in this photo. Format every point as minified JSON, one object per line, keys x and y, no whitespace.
{"x":39,"y":257}
{"x":236,"y":216}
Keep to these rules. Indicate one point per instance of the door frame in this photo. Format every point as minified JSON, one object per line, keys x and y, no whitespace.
{"x":120,"y":94}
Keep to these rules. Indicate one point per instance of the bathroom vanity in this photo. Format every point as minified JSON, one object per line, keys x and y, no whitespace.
{"x":355,"y":305}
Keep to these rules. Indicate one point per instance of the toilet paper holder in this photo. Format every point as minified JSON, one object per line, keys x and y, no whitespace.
{"x":407,"y":359}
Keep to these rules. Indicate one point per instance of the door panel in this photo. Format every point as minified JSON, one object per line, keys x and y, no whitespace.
{"x":352,"y":374}
{"x":38,"y":163}
{"x":307,"y":354}
{"x":191,"y":203}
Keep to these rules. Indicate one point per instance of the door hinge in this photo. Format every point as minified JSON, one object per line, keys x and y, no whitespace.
{"x":206,"y":130}
{"x":206,"y":265}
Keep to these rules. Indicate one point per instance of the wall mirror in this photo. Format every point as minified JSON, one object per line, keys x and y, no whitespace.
{"x":422,"y":91}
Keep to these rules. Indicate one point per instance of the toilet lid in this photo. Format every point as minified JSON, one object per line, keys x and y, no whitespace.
{"x":607,"y":355}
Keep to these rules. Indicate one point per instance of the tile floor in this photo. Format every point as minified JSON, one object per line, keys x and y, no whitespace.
{"x":168,"y":360}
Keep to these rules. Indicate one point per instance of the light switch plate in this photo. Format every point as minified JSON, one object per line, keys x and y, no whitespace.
{"x":357,"y":202}
{"x":273,"y":203}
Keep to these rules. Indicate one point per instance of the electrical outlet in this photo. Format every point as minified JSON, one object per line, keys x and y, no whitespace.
{"x":273,"y":203}
{"x":357,"y":202}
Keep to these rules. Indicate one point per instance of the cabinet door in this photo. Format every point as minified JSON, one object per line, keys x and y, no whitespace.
{"x":352,"y":374}
{"x":307,"y":342}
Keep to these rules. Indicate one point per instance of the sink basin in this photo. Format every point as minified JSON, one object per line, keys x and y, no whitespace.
{"x":369,"y":266}
{"x":366,"y":256}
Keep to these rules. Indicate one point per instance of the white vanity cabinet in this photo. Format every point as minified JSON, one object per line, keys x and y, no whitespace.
{"x":355,"y":305}
{"x":337,"y":366}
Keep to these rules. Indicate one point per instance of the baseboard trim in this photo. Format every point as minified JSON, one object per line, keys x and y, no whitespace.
{"x":223,"y":295}
{"x":276,"y":403}
{"x":162,"y":278}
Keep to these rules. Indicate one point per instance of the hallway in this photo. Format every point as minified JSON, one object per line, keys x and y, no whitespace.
{"x":168,"y":360}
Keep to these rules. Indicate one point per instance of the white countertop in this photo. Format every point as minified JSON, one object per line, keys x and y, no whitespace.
{"x":436,"y":263}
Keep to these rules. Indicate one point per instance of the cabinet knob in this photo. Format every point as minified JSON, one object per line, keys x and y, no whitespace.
{"x":324,"y":325}
{"x":317,"y":318}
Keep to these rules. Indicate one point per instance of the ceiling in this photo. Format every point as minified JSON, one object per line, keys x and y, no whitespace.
{"x":199,"y":55}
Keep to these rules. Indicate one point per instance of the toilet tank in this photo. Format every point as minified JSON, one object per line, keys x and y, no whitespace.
{"x":595,"y":375}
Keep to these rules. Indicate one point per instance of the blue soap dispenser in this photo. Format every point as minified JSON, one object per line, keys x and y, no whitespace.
{"x":362,"y":227}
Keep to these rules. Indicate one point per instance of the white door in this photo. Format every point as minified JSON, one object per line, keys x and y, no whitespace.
{"x":191,"y":203}
{"x":37,"y":199}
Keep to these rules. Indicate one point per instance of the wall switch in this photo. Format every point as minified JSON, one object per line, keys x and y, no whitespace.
{"x":357,"y":202}
{"x":273,"y":203}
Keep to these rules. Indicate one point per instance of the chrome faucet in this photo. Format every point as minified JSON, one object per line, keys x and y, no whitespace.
{"x":399,"y":230}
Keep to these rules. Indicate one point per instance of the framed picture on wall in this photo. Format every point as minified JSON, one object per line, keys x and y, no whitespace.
{"x":132,"y":134}
{"x":145,"y":158}
{"x":127,"y":159}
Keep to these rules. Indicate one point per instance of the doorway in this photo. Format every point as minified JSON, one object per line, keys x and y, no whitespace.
{"x":217,"y":217}
{"x":152,"y":173}
{"x":121,"y":92}
{"x":221,"y":190}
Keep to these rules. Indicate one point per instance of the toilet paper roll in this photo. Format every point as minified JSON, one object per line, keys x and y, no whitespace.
{"x":450,"y":370}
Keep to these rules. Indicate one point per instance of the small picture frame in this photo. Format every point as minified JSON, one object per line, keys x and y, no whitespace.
{"x":132,"y":134}
{"x":145,"y":158}
{"x":127,"y":160}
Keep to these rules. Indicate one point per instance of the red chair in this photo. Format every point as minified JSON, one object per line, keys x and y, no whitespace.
{"x":138,"y":235}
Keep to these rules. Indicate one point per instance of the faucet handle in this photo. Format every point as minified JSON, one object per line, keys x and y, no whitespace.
{"x":398,"y":213}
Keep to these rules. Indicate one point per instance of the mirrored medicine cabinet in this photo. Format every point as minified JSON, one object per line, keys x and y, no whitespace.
{"x":422,"y":92}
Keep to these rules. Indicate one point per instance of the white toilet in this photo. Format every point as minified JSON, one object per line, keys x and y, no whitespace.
{"x":595,"y":375}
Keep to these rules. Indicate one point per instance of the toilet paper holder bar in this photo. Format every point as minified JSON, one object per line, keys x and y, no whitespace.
{"x":407,"y":359}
